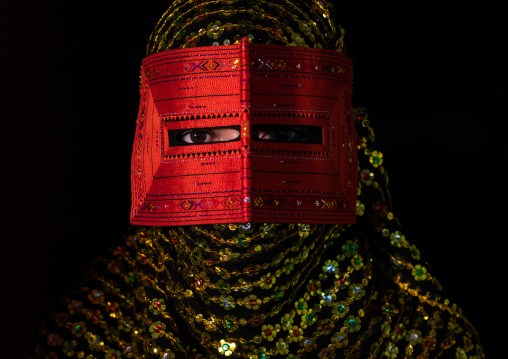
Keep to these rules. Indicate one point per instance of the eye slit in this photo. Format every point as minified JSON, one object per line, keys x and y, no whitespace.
{"x":204,"y":135}
{"x":280,"y":134}
{"x":287,"y":133}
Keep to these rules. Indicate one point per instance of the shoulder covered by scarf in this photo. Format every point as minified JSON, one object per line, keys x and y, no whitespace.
{"x":264,"y":290}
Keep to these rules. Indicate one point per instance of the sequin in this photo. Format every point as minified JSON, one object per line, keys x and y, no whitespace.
{"x":157,"y":329}
{"x":251,"y":302}
{"x":419,"y":272}
{"x":376,"y":159}
{"x":398,"y":239}
{"x":230,"y":323}
{"x":282,"y":346}
{"x":295,"y":334}
{"x":330,"y":266}
{"x":157,"y":306}
{"x":327,"y":298}
{"x":391,"y":350}
{"x":215,"y":29}
{"x":226,"y":348}
{"x":268,"y":332}
{"x":227,"y":302}
{"x":414,"y":336}
{"x":267,"y":281}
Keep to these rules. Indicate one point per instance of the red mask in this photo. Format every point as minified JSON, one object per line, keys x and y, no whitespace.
{"x":245,"y":133}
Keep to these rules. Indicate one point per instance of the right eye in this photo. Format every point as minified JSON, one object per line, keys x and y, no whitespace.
{"x":195,"y":136}
{"x":203,"y":135}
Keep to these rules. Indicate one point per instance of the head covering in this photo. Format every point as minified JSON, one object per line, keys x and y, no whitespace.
{"x":212,"y":23}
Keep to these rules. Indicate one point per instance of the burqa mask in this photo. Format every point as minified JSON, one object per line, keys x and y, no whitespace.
{"x":245,"y":133}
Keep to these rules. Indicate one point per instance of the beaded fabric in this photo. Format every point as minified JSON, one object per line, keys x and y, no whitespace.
{"x":360,"y":291}
{"x":190,"y":23}
{"x":264,"y":290}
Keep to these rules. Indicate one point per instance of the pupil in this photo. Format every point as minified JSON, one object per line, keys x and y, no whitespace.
{"x":198,"y":136}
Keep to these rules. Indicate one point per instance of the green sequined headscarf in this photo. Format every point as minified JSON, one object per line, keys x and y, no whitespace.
{"x":190,"y":23}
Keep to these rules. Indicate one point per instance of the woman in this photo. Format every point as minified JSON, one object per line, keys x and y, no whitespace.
{"x":258,"y":289}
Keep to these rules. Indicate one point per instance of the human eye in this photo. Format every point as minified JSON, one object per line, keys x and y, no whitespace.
{"x":280,"y":134}
{"x":285,"y":133}
{"x":205,"y":135}
{"x":196,"y":136}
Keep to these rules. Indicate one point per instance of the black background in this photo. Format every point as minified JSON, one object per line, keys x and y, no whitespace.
{"x":433,"y":80}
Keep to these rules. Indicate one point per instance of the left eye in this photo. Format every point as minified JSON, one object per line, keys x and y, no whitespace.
{"x":281,"y":134}
{"x":285,"y":133}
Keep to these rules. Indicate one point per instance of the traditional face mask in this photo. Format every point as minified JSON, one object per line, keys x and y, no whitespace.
{"x":245,"y":133}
